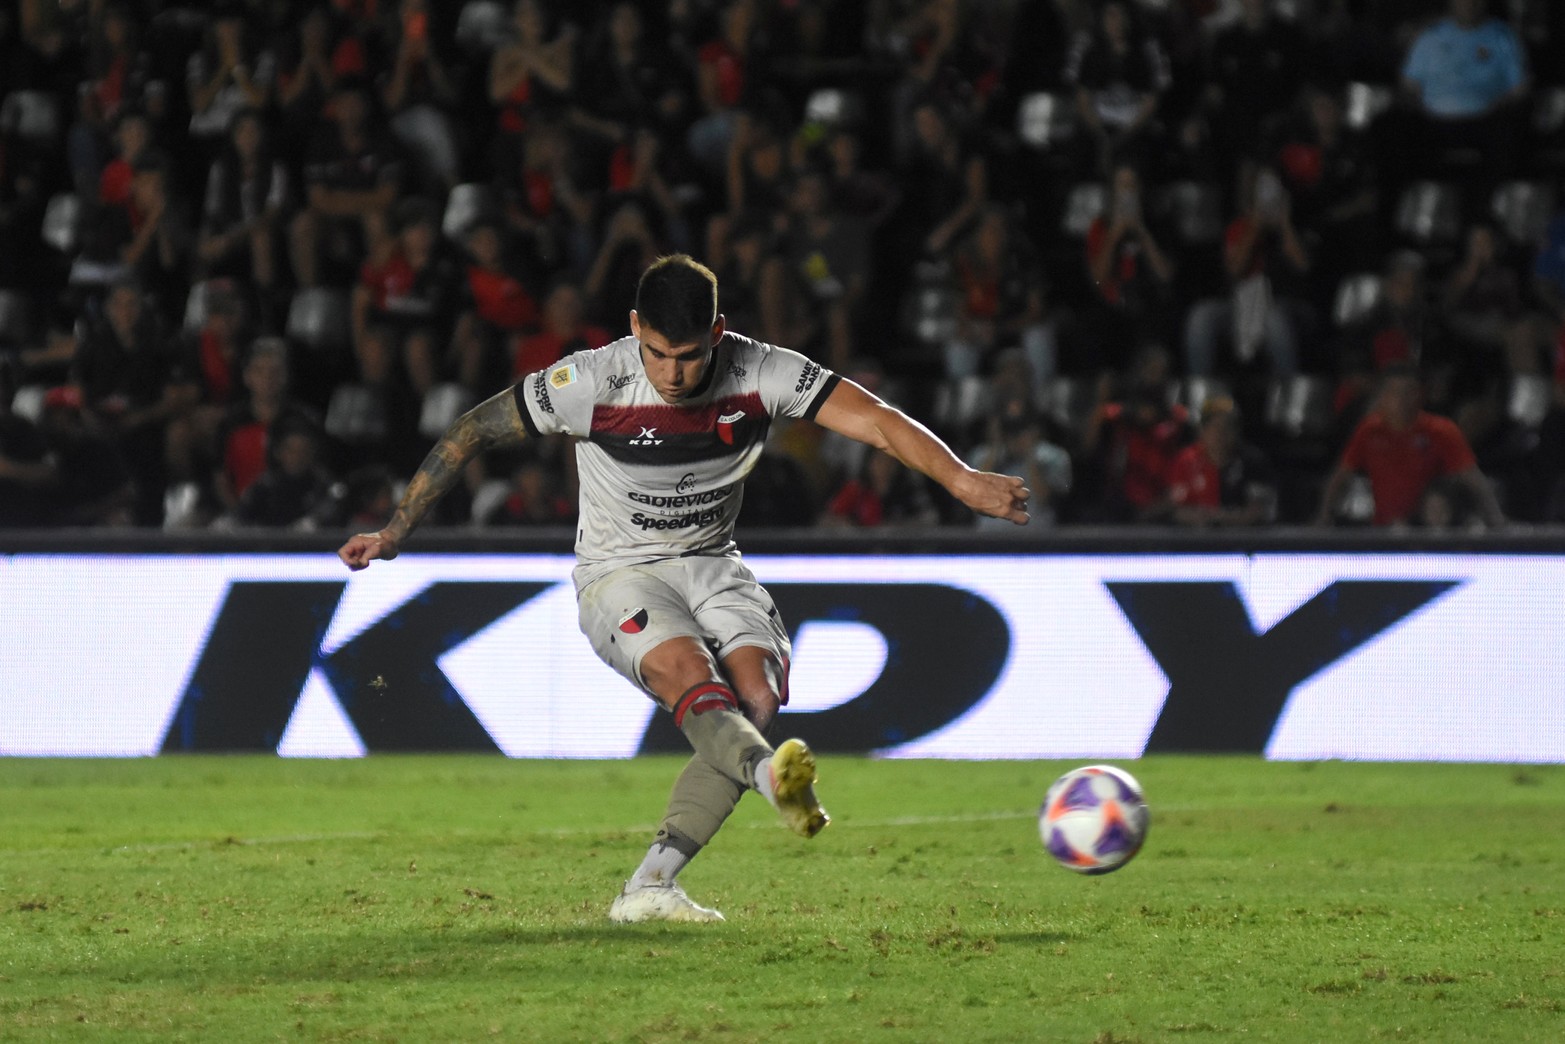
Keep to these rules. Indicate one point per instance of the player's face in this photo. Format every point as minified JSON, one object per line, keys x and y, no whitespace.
{"x":674,"y":370}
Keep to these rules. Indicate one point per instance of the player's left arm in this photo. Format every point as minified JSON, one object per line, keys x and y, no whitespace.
{"x":850,"y":410}
{"x":493,"y":423}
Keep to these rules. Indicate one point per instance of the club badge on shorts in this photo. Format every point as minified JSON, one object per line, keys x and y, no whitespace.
{"x":635,"y":622}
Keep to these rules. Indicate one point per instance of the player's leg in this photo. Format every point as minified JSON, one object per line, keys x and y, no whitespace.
{"x":740,"y":619}
{"x":703,"y":796}
{"x":684,"y":678}
{"x":759,"y":678}
{"x":640,"y":624}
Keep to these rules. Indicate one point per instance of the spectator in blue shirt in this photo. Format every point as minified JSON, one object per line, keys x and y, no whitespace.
{"x":1464,"y":74}
{"x":1465,"y":66}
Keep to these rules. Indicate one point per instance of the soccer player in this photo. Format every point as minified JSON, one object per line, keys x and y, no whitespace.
{"x":672,"y":419}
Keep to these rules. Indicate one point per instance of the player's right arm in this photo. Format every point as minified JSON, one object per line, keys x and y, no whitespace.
{"x":494,"y":423}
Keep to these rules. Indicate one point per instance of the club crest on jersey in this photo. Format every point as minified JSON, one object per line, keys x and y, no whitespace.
{"x":635,"y":622}
{"x":725,"y":426}
{"x":560,"y":376}
{"x":648,"y":437}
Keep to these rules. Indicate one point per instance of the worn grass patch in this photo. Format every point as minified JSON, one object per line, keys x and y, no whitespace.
{"x":458,"y":898}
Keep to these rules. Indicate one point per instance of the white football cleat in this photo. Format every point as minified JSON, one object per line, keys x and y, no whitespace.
{"x":793,"y":788}
{"x":658,"y":902}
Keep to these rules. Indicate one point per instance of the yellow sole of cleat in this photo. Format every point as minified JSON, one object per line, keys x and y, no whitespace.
{"x":793,"y":788}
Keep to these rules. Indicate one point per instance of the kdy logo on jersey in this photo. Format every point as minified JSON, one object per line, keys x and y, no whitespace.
{"x":648,"y":437}
{"x":725,"y":426}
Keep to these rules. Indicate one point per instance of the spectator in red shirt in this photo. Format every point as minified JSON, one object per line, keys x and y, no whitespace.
{"x":403,"y":302}
{"x":1131,"y":273}
{"x":534,"y":499}
{"x":1131,"y":443}
{"x":251,"y":426}
{"x":133,"y":137}
{"x":1405,"y":451}
{"x":1265,"y":259}
{"x":532,"y":68}
{"x":884,"y":493}
{"x":1218,"y":480}
{"x":564,"y":331}
{"x":498,"y":307}
{"x":721,"y":83}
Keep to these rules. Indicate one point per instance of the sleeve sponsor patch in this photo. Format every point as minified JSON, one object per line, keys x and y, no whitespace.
{"x":560,"y":376}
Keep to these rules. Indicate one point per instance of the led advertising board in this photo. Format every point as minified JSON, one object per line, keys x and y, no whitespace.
{"x":1430,"y":656}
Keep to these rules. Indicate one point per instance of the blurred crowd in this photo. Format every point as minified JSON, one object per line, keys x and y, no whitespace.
{"x":1194,"y":262}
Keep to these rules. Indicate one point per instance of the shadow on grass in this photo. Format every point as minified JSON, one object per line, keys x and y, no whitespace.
{"x":1036,"y":938}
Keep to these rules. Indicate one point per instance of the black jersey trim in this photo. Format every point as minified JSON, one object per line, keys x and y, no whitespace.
{"x":821,"y":396}
{"x":521,"y":407}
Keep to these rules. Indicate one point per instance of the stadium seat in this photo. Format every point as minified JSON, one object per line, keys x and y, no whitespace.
{"x":1299,"y":406}
{"x":931,"y":304}
{"x":13,"y":319}
{"x":1069,"y":401}
{"x":1085,"y":202}
{"x":960,"y":401}
{"x":490,"y":495}
{"x":1193,"y":392}
{"x":466,"y":204}
{"x":1357,"y":504}
{"x":356,"y":416}
{"x":1044,"y":120}
{"x":1363,"y":103}
{"x":1528,"y":399}
{"x":1357,"y":296}
{"x":30,"y":115}
{"x":832,"y":107}
{"x":1548,"y":111}
{"x":1523,"y":209}
{"x":1429,"y":212}
{"x":443,"y":404}
{"x":62,"y":222}
{"x":28,"y":400}
{"x":1194,"y":209}
{"x":482,"y":26}
{"x":318,"y":318}
{"x":196,"y":306}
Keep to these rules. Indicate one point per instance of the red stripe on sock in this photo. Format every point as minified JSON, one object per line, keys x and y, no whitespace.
{"x":712,"y":690}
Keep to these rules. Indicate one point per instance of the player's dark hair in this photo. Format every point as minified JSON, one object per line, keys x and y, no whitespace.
{"x":677,"y":297}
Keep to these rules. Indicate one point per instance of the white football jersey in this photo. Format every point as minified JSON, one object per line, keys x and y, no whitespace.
{"x":661,"y":480}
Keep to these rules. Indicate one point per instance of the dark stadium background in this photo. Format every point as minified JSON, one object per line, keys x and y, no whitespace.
{"x":912,"y":192}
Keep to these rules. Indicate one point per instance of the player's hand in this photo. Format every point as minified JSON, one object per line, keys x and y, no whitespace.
{"x":363,"y":548}
{"x":1001,"y":496}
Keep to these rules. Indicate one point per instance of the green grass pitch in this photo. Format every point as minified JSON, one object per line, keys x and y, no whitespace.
{"x":463,"y":898}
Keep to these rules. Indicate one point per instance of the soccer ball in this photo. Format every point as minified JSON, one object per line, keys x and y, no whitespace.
{"x":1093,"y":819}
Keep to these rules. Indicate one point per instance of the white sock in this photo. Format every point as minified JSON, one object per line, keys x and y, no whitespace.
{"x":661,"y":865}
{"x":762,"y":774}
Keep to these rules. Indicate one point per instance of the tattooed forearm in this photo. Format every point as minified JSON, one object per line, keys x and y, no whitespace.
{"x":494,"y":422}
